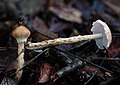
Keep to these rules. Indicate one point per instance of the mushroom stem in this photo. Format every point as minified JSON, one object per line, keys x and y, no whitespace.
{"x":20,"y":33}
{"x":59,"y":41}
{"x":101,"y":34}
{"x":20,"y":61}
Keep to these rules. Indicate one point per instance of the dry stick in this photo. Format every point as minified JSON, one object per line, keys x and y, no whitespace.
{"x":108,"y":59}
{"x":94,"y":73}
{"x":77,"y":62}
{"x":84,"y":60}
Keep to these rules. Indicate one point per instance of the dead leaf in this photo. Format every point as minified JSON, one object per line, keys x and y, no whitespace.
{"x":114,"y":5}
{"x":67,"y":13}
{"x":59,"y":26}
{"x":91,"y":69}
{"x":114,"y":49}
{"x":11,"y":66}
{"x":45,"y":71}
{"x":31,"y":7}
{"x":41,"y":30}
{"x":55,"y":2}
{"x":7,"y":81}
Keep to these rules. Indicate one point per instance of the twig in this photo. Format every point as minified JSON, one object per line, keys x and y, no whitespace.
{"x":111,"y":59}
{"x":85,"y":60}
{"x":95,"y":72}
{"x":71,"y":67}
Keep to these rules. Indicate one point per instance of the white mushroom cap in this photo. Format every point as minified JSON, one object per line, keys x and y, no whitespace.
{"x":101,"y":27}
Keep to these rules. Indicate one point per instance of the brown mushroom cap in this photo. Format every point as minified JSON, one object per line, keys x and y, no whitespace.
{"x":21,"y":33}
{"x":101,"y":27}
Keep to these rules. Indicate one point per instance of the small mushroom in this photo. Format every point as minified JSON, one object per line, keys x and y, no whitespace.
{"x":101,"y":34}
{"x":20,"y":33}
{"x":101,"y":27}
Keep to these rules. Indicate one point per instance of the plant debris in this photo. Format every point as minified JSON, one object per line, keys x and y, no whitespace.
{"x":65,"y":63}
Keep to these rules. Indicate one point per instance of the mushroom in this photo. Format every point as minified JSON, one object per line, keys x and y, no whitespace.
{"x":20,"y":33}
{"x":101,"y":27}
{"x":101,"y":34}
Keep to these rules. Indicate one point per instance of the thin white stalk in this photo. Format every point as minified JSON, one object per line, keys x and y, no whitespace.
{"x":59,"y":41}
{"x":20,"y":61}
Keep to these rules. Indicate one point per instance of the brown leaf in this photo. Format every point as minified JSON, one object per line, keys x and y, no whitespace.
{"x":92,"y":69}
{"x":41,"y":30}
{"x":55,"y":2}
{"x":59,"y":26}
{"x":45,"y":71}
{"x":7,"y":57}
{"x":114,"y":5}
{"x":114,"y":49}
{"x":67,"y":13}
{"x":11,"y":66}
{"x":31,"y":7}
